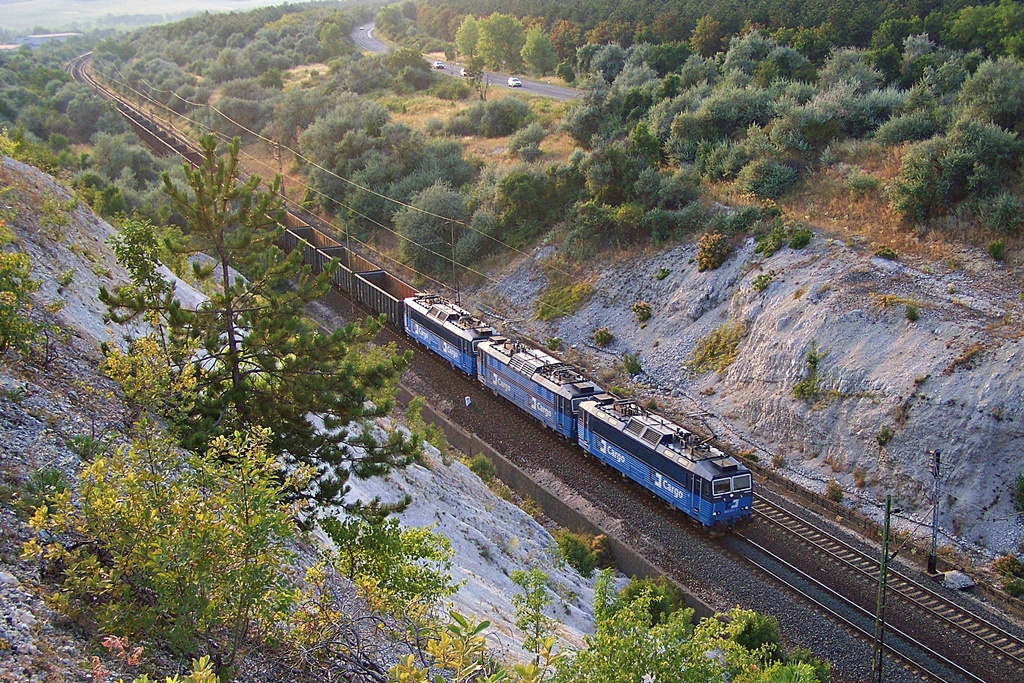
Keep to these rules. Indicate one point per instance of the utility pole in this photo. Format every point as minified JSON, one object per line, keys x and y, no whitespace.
{"x":883,"y":575}
{"x":935,"y":509}
{"x":455,"y":277}
{"x":280,"y":166}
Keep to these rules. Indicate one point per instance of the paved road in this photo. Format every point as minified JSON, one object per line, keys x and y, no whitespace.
{"x":363,"y":37}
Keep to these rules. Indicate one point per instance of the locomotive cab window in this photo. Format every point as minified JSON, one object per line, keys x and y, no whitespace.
{"x":720,"y":487}
{"x":741,"y":483}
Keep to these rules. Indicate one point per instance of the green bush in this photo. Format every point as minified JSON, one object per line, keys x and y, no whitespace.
{"x":822,"y":667}
{"x":833,"y":491}
{"x":662,"y":273}
{"x":1014,"y":587}
{"x":576,"y":551}
{"x":887,"y":253}
{"x":772,"y":242}
{"x":525,"y":143}
{"x":755,"y":631}
{"x":42,"y":488}
{"x":912,"y":313}
{"x":631,"y":363}
{"x":175,"y":548}
{"x":1018,"y":493}
{"x":762,"y":281}
{"x":997,"y":249}
{"x":665,"y":598}
{"x":603,"y":336}
{"x":1004,"y":213}
{"x":861,"y":184}
{"x":482,"y":467}
{"x":809,"y":387}
{"x":713,"y":249}
{"x":911,"y":127}
{"x":553,"y":343}
{"x":765,"y":178}
{"x":642,"y":310}
{"x":884,"y":435}
{"x":800,"y":238}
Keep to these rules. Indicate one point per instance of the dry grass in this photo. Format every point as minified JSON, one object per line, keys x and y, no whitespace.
{"x":304,"y":72}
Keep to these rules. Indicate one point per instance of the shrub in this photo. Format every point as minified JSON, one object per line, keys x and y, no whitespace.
{"x":859,"y":477}
{"x":887,"y":253}
{"x":833,"y":491}
{"x":1008,"y":565}
{"x":576,"y":551}
{"x":42,"y":488}
{"x":997,"y":249}
{"x":662,"y":273}
{"x":762,"y":281}
{"x":772,"y":242}
{"x":1004,"y":213}
{"x":765,"y":178}
{"x":809,"y":387}
{"x":17,"y":330}
{"x":665,"y":598}
{"x":174,"y":547}
{"x":482,"y":467}
{"x":631,"y":363}
{"x":822,"y":668}
{"x":884,"y":435}
{"x":911,"y":127}
{"x":525,"y":143}
{"x":912,"y":313}
{"x":642,"y":310}
{"x":755,"y":631}
{"x":861,"y":183}
{"x":1014,"y":587}
{"x":716,"y":351}
{"x":603,"y":336}
{"x":553,"y":343}
{"x":713,"y":249}
{"x":1018,"y":493}
{"x":800,"y":238}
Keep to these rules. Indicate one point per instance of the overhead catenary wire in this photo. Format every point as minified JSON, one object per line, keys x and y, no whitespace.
{"x":319,"y":167}
{"x":223,"y":136}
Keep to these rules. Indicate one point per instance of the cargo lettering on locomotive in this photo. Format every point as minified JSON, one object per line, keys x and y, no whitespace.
{"x":663,"y":457}
{"x":666,"y":484}
{"x":539,"y":407}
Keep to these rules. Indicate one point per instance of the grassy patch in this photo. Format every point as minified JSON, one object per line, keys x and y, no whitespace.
{"x":716,"y":351}
{"x":562,"y":298}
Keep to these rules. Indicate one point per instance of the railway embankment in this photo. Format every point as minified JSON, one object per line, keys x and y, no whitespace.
{"x":848,"y":368}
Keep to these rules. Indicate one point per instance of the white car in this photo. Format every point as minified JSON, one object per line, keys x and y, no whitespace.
{"x":462,"y":72}
{"x":514,"y":82}
{"x":438,"y":65}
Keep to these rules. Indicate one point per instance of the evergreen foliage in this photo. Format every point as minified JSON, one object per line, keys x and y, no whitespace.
{"x":255,"y":359}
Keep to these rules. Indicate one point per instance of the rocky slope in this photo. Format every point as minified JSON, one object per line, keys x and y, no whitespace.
{"x":47,"y":403}
{"x":890,"y":389}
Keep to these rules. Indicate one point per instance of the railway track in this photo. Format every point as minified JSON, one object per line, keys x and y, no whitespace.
{"x":996,"y":641}
{"x":979,"y":630}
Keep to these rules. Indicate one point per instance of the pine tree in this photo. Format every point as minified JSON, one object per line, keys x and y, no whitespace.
{"x":257,"y":360}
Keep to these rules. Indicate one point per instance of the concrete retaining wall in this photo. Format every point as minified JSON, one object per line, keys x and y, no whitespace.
{"x":627,"y":560}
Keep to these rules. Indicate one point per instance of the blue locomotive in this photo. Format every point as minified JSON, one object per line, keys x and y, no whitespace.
{"x":447,"y":330}
{"x":698,"y":479}
{"x":543,"y":386}
{"x":702,"y":481}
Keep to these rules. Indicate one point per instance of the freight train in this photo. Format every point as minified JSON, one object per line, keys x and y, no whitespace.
{"x":688,"y":473}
